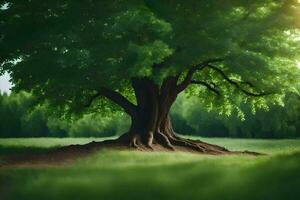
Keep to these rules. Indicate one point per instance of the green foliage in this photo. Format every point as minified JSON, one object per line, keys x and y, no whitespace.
{"x":147,"y":56}
{"x":64,"y":51}
{"x":193,"y":117}
{"x":14,"y":122}
{"x":22,"y":117}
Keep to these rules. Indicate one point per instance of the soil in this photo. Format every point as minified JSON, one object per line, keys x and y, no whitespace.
{"x":68,"y":154}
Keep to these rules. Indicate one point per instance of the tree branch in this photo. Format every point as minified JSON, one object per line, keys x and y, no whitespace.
{"x":115,"y":97}
{"x":187,"y":80}
{"x":237,"y":84}
{"x":209,"y":86}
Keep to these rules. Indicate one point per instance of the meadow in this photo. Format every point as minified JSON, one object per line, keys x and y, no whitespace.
{"x":111,"y":174}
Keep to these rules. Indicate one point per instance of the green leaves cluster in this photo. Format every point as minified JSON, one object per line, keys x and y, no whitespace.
{"x":67,"y":50}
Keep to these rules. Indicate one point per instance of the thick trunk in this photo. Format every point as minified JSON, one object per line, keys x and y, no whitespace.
{"x":151,"y":125}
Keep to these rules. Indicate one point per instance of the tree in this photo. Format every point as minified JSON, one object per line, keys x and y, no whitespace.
{"x":141,"y":54}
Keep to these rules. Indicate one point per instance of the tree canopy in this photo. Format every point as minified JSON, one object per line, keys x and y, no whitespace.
{"x":65,"y":51}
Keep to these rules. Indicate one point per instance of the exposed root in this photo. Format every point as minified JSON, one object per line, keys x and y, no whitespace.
{"x":211,"y":146}
{"x":160,"y":140}
{"x":150,"y":141}
{"x":136,"y":143}
{"x":133,"y":142}
{"x":164,"y":140}
{"x":168,"y":141}
{"x":188,"y":144}
{"x":203,"y":146}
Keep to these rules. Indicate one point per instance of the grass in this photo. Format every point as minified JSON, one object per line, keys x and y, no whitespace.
{"x":27,"y":145}
{"x":110,"y":175}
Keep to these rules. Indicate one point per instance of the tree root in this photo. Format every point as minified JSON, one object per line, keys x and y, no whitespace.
{"x":188,"y":144}
{"x":133,"y":143}
{"x":216,"y":147}
{"x":169,"y":141}
{"x":164,"y":141}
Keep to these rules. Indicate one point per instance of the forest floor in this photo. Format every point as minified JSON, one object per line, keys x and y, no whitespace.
{"x":111,"y":175}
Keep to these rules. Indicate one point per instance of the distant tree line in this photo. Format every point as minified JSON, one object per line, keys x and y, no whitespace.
{"x":192,"y":117}
{"x":21,"y":116}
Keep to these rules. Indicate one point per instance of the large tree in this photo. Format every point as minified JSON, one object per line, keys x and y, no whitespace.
{"x":141,"y":54}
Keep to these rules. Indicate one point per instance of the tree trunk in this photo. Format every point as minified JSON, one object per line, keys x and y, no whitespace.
{"x":151,"y":127}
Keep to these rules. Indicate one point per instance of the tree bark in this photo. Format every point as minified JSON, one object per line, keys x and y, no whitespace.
{"x":151,"y":126}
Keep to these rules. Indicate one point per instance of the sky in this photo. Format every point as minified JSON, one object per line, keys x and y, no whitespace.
{"x":5,"y":85}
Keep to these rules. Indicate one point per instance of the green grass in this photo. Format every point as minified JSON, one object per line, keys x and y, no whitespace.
{"x":27,"y":145}
{"x":110,"y":175}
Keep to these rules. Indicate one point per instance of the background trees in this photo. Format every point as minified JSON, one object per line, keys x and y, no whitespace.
{"x":275,"y":122}
{"x":21,"y":118}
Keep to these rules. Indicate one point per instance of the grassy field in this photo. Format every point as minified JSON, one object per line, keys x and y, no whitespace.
{"x":110,"y":175}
